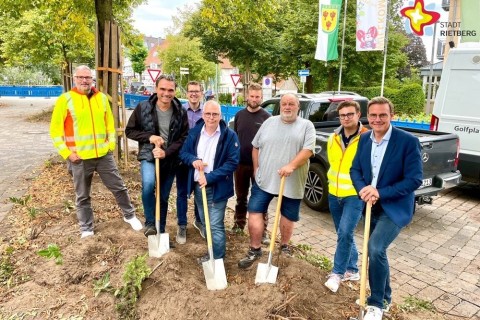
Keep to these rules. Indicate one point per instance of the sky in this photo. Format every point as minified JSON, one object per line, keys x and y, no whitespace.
{"x":154,"y":17}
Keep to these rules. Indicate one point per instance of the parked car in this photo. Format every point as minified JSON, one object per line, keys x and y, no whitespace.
{"x":439,"y":150}
{"x":134,"y":86}
{"x":146,"y":90}
{"x":318,"y":107}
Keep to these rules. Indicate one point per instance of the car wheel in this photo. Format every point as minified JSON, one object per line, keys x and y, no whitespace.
{"x":316,"y":188}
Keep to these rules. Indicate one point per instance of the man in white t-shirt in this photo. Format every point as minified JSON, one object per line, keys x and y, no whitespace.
{"x":282,"y":147}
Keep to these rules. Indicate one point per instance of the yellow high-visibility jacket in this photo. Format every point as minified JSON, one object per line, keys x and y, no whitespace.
{"x":83,"y":125}
{"x":340,"y":160}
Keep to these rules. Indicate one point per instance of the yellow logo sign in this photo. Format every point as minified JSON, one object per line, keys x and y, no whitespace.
{"x":329,"y":16}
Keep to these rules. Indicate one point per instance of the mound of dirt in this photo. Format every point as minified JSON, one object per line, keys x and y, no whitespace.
{"x":38,"y":288}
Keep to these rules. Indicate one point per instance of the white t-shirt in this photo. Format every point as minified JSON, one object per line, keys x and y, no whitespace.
{"x":278,"y":144}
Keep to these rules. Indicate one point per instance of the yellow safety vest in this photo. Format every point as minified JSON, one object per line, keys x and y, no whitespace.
{"x":83,"y":125}
{"x":339,"y":181}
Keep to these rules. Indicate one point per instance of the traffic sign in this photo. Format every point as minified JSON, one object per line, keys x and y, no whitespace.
{"x":235,"y":79}
{"x":305,"y":72}
{"x":303,"y":78}
{"x":184,"y":71}
{"x":154,"y":73}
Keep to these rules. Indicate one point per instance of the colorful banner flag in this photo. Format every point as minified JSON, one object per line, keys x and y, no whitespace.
{"x":371,"y":24}
{"x":470,"y":22}
{"x":328,"y":22}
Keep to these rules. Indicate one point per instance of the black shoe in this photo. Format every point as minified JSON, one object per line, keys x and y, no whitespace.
{"x":181,"y":234}
{"x":198,"y":225}
{"x":252,"y":255}
{"x":286,"y":250}
{"x":203,"y":259}
{"x":150,"y":231}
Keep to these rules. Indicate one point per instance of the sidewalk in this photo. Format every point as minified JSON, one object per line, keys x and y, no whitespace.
{"x":23,"y":145}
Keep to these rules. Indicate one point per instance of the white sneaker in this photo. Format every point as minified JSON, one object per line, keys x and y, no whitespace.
{"x":386,"y":305}
{"x":134,"y":222}
{"x":373,"y":313}
{"x":86,"y":234}
{"x":351,"y":276}
{"x":333,"y":282}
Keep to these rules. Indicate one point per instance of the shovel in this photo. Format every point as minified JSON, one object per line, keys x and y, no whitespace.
{"x":158,"y":244}
{"x":213,"y":269}
{"x":363,"y":279}
{"x":266,"y":272}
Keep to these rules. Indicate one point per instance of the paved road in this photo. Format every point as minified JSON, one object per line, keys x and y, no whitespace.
{"x":436,"y":257}
{"x":23,"y":145}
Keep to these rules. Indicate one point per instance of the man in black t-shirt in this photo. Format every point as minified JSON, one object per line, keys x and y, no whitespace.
{"x":246,"y":124}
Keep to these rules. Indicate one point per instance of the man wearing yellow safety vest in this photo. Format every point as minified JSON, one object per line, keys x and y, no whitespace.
{"x":83,"y":132}
{"x":345,"y":205}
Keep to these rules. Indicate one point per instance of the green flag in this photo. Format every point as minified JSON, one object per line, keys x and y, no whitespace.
{"x":328,"y":22}
{"x":470,"y":21}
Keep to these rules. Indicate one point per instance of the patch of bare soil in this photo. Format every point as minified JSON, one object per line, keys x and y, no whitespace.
{"x":34,"y":287}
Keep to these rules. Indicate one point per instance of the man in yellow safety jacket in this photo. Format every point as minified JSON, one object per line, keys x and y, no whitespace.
{"x":83,"y":132}
{"x":345,"y":205}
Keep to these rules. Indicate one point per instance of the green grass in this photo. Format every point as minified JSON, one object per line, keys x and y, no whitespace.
{"x":317,"y":260}
{"x":411,"y":304}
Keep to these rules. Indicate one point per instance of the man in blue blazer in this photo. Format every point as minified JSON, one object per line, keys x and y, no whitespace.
{"x":386,"y":171}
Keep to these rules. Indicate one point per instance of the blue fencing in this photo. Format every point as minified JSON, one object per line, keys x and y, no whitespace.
{"x":229,"y":111}
{"x":131,"y":100}
{"x":31,"y":91}
{"x":411,"y":124}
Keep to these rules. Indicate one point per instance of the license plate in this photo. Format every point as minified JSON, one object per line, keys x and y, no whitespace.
{"x":426,"y":183}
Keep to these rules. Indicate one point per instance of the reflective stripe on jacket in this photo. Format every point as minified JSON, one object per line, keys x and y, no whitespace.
{"x":83,"y":125}
{"x":340,"y":160}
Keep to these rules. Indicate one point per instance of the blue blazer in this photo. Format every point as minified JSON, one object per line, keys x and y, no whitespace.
{"x":400,"y":173}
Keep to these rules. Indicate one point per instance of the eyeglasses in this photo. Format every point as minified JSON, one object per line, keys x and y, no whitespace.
{"x":84,"y":78}
{"x":382,"y":116}
{"x":211,"y":115}
{"x":194,"y":92}
{"x":346,"y":115}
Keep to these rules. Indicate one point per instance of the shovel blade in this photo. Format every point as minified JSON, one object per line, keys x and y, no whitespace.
{"x":158,"y":245}
{"x":266,"y":273}
{"x":215,"y":276}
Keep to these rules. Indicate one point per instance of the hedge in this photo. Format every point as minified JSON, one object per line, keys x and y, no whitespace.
{"x":408,"y":99}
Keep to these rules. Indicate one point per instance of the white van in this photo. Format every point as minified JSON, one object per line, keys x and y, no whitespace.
{"x":457,"y":107}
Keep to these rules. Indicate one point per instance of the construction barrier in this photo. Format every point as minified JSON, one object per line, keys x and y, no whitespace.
{"x":31,"y":91}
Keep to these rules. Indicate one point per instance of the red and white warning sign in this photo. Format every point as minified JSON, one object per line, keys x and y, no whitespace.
{"x":235,"y":78}
{"x":154,"y":73}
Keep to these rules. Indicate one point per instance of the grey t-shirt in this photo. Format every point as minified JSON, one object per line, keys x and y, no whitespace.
{"x":164,"y":118}
{"x":278,"y":144}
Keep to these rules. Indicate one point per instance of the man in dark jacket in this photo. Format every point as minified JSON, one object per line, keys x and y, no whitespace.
{"x":160,"y":125}
{"x":212,"y":143}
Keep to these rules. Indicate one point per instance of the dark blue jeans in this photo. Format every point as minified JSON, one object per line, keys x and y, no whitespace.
{"x":181,"y":176}
{"x":346,"y":213}
{"x":382,"y":233}
{"x":216,"y":212}
{"x":147,"y":170}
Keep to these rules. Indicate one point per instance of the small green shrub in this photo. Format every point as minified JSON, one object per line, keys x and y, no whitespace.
{"x":52,"y":251}
{"x":225,"y":98}
{"x":102,"y":285}
{"x":136,"y":271}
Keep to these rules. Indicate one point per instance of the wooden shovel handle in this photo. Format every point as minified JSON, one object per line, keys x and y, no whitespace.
{"x":366,"y":235}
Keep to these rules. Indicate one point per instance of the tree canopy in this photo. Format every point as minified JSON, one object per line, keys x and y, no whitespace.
{"x":182,"y":52}
{"x":54,"y":32}
{"x":279,"y":37}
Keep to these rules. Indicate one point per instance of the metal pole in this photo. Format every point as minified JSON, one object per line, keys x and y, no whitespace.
{"x":385,"y":52}
{"x":430,"y":75}
{"x":343,"y":45}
